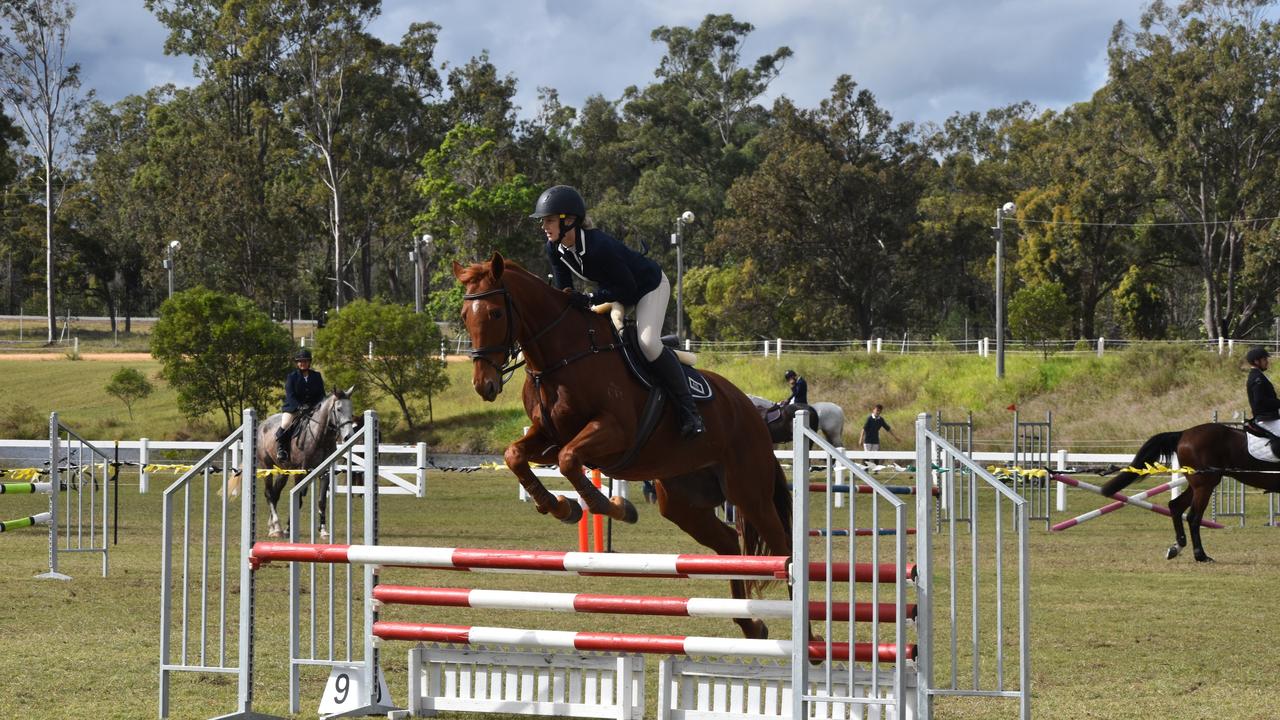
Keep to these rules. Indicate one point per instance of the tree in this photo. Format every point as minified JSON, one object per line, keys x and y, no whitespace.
{"x":128,"y":385}
{"x":477,"y":201}
{"x":404,"y":364}
{"x":42,"y":90}
{"x":828,"y":212}
{"x":1201,"y":86}
{"x":1039,"y":313}
{"x":330,"y":42}
{"x":1139,"y":305}
{"x":220,"y":353}
{"x":1083,"y":207}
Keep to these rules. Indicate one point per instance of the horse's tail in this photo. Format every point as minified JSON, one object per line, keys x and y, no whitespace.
{"x":1158,"y":448}
{"x":752,"y":542}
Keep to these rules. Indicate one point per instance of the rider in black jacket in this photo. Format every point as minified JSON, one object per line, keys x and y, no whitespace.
{"x":621,"y":274}
{"x":303,"y":388}
{"x":1262,"y":394}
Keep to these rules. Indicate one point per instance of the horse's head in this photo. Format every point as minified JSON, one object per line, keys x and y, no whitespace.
{"x":341,"y":416}
{"x":488,"y":315}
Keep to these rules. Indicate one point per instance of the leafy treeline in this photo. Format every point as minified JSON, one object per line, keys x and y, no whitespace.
{"x":310,"y":155}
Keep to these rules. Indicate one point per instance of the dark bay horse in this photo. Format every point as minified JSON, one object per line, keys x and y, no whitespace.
{"x":1211,"y":450}
{"x":314,"y":437}
{"x":585,"y":409}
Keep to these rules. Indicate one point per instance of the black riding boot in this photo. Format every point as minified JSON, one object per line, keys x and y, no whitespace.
{"x":282,"y":445}
{"x":667,"y":368}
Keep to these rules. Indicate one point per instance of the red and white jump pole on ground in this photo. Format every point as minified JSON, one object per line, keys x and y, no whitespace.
{"x":1122,"y":500}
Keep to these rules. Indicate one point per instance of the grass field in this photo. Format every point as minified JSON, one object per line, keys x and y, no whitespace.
{"x":1117,"y":631}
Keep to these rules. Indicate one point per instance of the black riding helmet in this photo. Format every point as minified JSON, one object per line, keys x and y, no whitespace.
{"x":302,"y":354}
{"x":789,"y":374}
{"x":561,"y":200}
{"x":1255,"y":354}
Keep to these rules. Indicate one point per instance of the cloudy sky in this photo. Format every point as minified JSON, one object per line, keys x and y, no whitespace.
{"x":923,"y":59}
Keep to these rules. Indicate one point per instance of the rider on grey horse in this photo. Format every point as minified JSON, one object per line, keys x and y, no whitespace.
{"x":303,"y":389}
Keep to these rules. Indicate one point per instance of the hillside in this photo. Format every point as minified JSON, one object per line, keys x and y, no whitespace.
{"x":1109,"y":403}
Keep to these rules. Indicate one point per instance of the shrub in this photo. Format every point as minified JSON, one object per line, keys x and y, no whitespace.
{"x":128,"y":385}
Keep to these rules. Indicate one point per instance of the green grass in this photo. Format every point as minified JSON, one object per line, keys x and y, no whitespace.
{"x":1116,"y":631}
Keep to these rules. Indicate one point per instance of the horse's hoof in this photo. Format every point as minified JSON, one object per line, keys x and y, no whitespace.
{"x":574,"y":513}
{"x":1201,"y":557}
{"x":1172,"y":552}
{"x":275,"y":533}
{"x":324,"y":534}
{"x":629,"y":513}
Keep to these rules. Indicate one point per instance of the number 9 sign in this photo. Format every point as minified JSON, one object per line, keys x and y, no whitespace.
{"x":345,"y":690}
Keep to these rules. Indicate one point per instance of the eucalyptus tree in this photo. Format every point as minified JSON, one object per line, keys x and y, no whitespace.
{"x":326,"y":49}
{"x":1201,"y":85}
{"x":1079,"y":221}
{"x":43,"y":90}
{"x":828,"y":212}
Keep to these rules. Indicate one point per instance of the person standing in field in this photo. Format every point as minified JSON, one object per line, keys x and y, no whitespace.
{"x":869,"y":438}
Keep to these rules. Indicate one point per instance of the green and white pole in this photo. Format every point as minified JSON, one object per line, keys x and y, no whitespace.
{"x":26,"y":488}
{"x":29,"y":521}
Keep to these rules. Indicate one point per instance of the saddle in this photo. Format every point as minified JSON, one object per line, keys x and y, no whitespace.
{"x":628,"y":342}
{"x":1267,"y":439}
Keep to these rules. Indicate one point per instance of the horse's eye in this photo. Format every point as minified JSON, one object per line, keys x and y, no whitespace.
{"x":495,"y":314}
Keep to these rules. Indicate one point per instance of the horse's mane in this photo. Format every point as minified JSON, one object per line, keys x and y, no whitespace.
{"x":476,"y":272}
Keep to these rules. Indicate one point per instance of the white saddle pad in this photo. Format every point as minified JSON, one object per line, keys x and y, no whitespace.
{"x":1260,"y":447}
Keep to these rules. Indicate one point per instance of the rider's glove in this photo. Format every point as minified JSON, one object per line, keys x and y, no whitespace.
{"x":580,"y":300}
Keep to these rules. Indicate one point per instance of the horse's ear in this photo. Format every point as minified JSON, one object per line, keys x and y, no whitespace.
{"x":497,"y":264}
{"x":458,"y":269}
{"x":348,"y":391}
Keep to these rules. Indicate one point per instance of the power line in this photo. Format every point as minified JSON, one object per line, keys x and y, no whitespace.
{"x":1079,"y":223}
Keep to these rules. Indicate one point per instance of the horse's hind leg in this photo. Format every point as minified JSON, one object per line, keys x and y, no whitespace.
{"x":1203,"y":494}
{"x":1177,"y":507}
{"x":689,"y":502}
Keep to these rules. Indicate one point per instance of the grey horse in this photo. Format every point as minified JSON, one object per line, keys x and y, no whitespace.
{"x":830,"y":419}
{"x":314,"y":437}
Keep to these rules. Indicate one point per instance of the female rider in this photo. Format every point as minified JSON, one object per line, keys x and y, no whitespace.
{"x":576,"y":249}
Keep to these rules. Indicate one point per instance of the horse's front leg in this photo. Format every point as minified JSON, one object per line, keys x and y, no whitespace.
{"x":534,"y":447}
{"x":598,"y":439}
{"x":273,"y":518}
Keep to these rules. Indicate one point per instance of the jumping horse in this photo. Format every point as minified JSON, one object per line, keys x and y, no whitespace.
{"x":314,"y":437}
{"x":1211,"y":450}
{"x":586,"y":410}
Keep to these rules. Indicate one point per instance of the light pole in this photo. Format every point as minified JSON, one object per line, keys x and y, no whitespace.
{"x":168,"y":261}
{"x":1008,"y":209}
{"x":677,"y":239}
{"x":415,"y":257}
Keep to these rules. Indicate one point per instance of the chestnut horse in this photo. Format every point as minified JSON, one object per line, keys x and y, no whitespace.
{"x":1211,"y":450}
{"x":585,"y":409}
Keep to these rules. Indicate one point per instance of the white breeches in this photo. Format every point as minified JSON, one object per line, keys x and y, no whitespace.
{"x":650,"y":312}
{"x":286,"y":419}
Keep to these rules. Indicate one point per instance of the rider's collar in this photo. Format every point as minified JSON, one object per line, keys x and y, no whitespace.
{"x":579,"y":246}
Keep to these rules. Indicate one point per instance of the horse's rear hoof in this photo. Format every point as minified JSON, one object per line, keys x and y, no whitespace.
{"x":275,"y":534}
{"x":629,"y":513}
{"x":324,"y":534}
{"x":1201,"y":557}
{"x":1172,"y":552}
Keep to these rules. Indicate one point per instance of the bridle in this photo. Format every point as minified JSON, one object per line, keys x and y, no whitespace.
{"x":510,"y":347}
